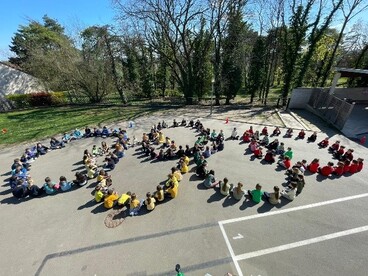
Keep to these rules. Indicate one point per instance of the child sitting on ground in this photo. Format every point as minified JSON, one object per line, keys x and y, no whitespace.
{"x":285,"y":163}
{"x":324,"y":143}
{"x":256,"y":194}
{"x":159,"y":194}
{"x":49,"y":186}
{"x":80,"y":179}
{"x":265,"y":141}
{"x":274,"y":198}
{"x":313,"y":166}
{"x":334,"y":147}
{"x":313,"y":137}
{"x":301,"y":134}
{"x":276,"y":132}
{"x":326,"y":170}
{"x":257,"y":153}
{"x":210,"y":181}
{"x":264,"y":131}
{"x":289,"y":153}
{"x":270,"y":157}
{"x":225,"y":187}
{"x":64,"y":184}
{"x":135,"y":205}
{"x":124,"y":199}
{"x":238,"y":191}
{"x":290,"y":192}
{"x":289,"y":133}
{"x":99,"y":194}
{"x":111,"y":198}
{"x":339,"y":169}
{"x":172,"y":191}
{"x":280,"y":149}
{"x":150,"y":202}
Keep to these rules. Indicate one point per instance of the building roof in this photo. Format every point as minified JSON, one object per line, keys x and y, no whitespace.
{"x":352,"y":73}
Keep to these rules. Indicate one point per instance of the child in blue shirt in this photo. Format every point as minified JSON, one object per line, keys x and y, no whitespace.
{"x":64,"y":185}
{"x":49,"y":186}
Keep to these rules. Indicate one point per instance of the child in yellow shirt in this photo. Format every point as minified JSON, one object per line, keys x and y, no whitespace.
{"x":135,"y":205}
{"x":110,"y":198}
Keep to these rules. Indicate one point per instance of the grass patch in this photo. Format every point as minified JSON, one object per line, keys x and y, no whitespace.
{"x":35,"y":124}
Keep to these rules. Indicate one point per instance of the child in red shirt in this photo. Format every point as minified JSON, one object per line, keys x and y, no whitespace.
{"x":334,"y":147}
{"x":353,"y":167}
{"x":264,"y":131}
{"x":270,"y":157}
{"x":324,"y":143}
{"x":346,"y":166}
{"x":286,"y":163}
{"x":246,"y":137}
{"x":339,"y":170}
{"x":327,"y":170}
{"x":301,"y":134}
{"x":258,"y":152}
{"x":313,"y":166}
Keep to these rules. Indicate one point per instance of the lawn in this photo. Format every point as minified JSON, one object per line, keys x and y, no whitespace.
{"x":35,"y":124}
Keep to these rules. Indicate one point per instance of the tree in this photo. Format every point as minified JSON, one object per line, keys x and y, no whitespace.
{"x":350,"y":9}
{"x":293,"y":37}
{"x":257,"y":71}
{"x":43,"y":50}
{"x":233,"y":50}
{"x":178,"y":23}
{"x":315,"y":36}
{"x":46,"y":37}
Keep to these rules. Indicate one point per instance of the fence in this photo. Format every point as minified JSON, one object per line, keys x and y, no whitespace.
{"x":75,"y":98}
{"x":329,"y":107}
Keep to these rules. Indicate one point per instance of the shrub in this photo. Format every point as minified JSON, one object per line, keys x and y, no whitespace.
{"x":19,"y":100}
{"x":58,"y":98}
{"x":40,"y":99}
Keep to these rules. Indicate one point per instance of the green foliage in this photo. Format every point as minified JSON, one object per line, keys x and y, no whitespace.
{"x":257,"y":71}
{"x":233,"y":51}
{"x":19,"y":100}
{"x":38,"y":99}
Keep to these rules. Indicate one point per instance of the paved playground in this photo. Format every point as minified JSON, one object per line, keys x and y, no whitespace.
{"x":322,"y":232}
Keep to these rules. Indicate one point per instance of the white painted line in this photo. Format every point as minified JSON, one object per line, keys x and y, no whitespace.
{"x":238,"y":270}
{"x":288,"y":210}
{"x":300,"y":243}
{"x":239,"y":236}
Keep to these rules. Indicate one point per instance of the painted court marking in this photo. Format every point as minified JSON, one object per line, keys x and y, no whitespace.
{"x":290,"y":245}
{"x":300,"y":243}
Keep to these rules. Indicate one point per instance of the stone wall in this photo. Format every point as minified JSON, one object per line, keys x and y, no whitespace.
{"x":13,"y":81}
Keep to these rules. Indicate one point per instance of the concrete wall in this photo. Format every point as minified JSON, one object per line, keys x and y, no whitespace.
{"x":357,"y":94}
{"x":300,"y":97}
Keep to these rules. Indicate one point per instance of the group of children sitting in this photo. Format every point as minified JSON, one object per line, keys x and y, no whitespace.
{"x":110,"y":198}
{"x":21,"y":183}
{"x":346,"y":164}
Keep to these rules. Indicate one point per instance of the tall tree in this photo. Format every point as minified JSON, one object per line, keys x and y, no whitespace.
{"x":315,"y":35}
{"x":179,"y":23}
{"x":293,"y":37}
{"x":257,"y":70}
{"x":233,"y":50}
{"x":350,"y":9}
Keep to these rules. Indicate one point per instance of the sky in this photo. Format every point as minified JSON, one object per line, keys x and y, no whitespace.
{"x":69,"y":13}
{"x":72,"y":14}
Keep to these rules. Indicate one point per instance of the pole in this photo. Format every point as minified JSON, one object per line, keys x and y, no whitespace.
{"x":213,"y":86}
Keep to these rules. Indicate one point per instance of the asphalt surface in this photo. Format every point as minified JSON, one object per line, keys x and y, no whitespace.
{"x":65,"y":234}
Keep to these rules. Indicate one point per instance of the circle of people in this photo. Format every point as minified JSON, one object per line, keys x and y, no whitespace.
{"x":207,"y":144}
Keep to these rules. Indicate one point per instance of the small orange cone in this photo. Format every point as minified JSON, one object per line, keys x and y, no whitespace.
{"x":4,"y":130}
{"x":227,"y":120}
